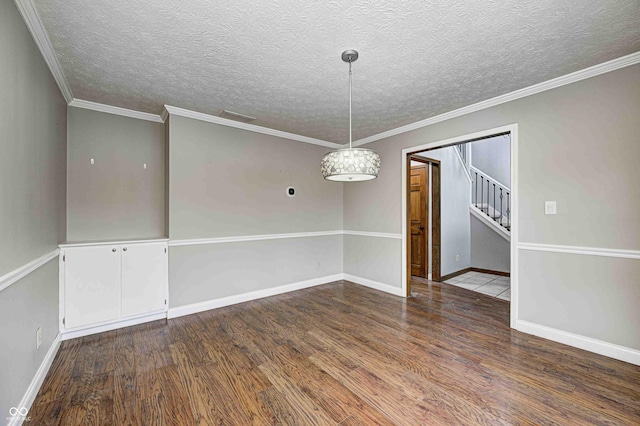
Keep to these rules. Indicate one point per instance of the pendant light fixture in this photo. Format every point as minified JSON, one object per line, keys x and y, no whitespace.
{"x":352,"y":164}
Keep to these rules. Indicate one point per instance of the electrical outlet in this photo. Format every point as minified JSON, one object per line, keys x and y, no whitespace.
{"x":38,"y":338}
{"x":457,"y":258}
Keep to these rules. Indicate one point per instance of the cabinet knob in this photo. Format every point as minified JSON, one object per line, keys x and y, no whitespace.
{"x":124,"y":249}
{"x":113,"y":250}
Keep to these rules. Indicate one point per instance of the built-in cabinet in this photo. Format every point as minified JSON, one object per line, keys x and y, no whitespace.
{"x":110,"y":285}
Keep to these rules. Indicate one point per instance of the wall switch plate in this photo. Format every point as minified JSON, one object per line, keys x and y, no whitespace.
{"x":549,"y":207}
{"x":93,"y":161}
{"x":38,"y":338}
{"x":457,"y":258}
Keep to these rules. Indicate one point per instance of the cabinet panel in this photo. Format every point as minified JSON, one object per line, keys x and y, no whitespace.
{"x":92,"y":285}
{"x":143,"y":278}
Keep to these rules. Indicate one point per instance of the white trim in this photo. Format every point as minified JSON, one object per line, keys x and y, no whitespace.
{"x":31,"y":392}
{"x":397,"y":291}
{"x":164,"y":115}
{"x":512,"y":129}
{"x":490,"y":178}
{"x":112,"y":242}
{"x":611,"y":350}
{"x":36,"y":28}
{"x":246,"y":297}
{"x":490,"y":223}
{"x":250,"y":127}
{"x":112,"y":325}
{"x":464,"y":166}
{"x":220,"y":240}
{"x":589,"y":251}
{"x":373,"y":234}
{"x":593,"y":71}
{"x":17,"y":274}
{"x":515,"y":228}
{"x":109,"y":109}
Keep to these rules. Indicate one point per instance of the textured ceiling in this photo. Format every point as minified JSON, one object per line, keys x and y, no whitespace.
{"x":280,"y":61}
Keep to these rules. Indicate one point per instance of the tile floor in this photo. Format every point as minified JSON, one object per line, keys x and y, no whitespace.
{"x":489,"y":284}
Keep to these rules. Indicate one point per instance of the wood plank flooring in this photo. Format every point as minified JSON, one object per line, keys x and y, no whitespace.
{"x":336,"y":354}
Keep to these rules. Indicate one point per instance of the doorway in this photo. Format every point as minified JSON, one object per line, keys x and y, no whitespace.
{"x":424,"y":217}
{"x":422,"y":151}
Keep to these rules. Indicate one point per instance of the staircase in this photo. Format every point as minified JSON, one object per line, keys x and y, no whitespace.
{"x":491,"y":198}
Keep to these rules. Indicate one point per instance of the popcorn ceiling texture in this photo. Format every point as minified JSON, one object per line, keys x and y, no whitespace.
{"x":280,"y":61}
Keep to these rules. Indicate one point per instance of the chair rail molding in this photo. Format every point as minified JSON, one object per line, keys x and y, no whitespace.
{"x":17,"y":274}
{"x":242,"y":238}
{"x":588,"y":251}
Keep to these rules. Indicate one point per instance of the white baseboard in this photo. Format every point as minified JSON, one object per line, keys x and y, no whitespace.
{"x":397,"y":291}
{"x":30,"y":395}
{"x":86,"y":331}
{"x":246,"y":297}
{"x":611,"y":350}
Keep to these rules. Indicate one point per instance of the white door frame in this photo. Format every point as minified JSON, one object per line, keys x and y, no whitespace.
{"x":512,"y":129}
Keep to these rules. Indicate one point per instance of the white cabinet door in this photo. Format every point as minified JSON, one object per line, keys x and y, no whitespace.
{"x":143,"y":278}
{"x":92,"y":285}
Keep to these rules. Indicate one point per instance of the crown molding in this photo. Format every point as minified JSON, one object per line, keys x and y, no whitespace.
{"x":164,"y":115}
{"x":593,"y":71}
{"x":245,"y":126}
{"x":34,"y":24}
{"x":94,"y":106}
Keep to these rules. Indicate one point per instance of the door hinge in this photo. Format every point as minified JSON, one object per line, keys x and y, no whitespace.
{"x":63,"y":321}
{"x":165,"y":301}
{"x":165,"y":249}
{"x":64,"y":257}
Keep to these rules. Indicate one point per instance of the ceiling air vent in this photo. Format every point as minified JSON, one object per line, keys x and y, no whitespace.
{"x":237,"y":117}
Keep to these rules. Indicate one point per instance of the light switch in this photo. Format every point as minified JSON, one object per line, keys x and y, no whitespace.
{"x":549,"y":207}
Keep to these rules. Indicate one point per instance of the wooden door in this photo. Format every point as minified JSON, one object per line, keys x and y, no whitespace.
{"x":418,"y":215}
{"x":143,"y":278}
{"x":91,"y":285}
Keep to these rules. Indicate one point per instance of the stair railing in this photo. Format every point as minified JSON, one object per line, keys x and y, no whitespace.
{"x":491,"y":197}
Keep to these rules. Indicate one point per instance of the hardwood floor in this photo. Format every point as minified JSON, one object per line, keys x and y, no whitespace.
{"x":336,"y":354}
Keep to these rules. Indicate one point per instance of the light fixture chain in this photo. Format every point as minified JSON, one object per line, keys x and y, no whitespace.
{"x":350,"y":86}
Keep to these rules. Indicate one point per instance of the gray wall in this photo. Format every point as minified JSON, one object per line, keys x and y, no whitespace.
{"x":488,"y":249}
{"x":563,"y":134}
{"x":493,"y":157}
{"x":212,"y":271}
{"x":115,"y":197}
{"x":226,"y":182}
{"x":32,"y":210}
{"x":590,"y":296}
{"x":25,"y":306}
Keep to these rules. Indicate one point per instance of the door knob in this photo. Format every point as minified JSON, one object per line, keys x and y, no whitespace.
{"x":124,"y":249}
{"x":422,"y":228}
{"x":113,"y":250}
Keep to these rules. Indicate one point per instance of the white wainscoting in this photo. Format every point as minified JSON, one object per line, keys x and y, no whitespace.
{"x":577,"y":341}
{"x":396,"y":291}
{"x":601,"y":347}
{"x":246,"y":297}
{"x":31,"y":392}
